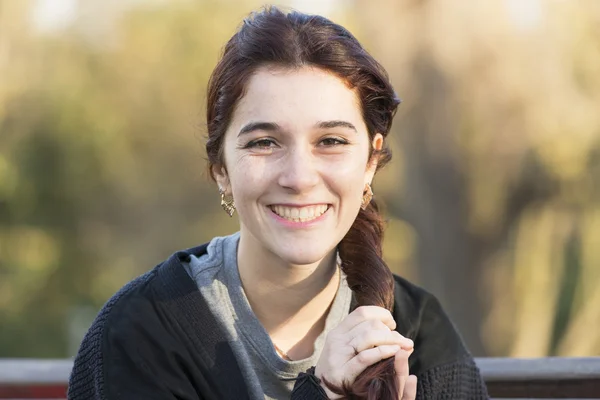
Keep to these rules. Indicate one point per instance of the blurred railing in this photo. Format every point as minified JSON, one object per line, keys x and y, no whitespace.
{"x":542,"y":378}
{"x":507,"y":378}
{"x":34,"y":379}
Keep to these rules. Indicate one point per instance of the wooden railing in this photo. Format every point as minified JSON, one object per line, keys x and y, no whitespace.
{"x":507,"y":378}
{"x":542,"y":378}
{"x":34,"y":379}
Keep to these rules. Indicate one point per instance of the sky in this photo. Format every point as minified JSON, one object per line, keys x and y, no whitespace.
{"x":54,"y":15}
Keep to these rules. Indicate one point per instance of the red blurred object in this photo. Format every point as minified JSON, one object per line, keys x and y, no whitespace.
{"x":54,"y":391}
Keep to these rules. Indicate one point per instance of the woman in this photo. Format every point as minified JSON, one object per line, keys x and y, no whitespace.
{"x":298,"y":303}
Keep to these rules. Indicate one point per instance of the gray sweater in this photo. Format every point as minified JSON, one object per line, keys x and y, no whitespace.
{"x":216,"y":274}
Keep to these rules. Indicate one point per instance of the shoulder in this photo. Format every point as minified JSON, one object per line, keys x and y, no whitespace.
{"x":87,"y":376}
{"x":133,"y":311}
{"x":148,"y":295}
{"x":421,"y":317}
{"x":441,"y":361}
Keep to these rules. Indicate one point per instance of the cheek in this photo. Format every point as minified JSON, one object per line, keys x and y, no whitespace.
{"x":351,"y":170}
{"x":349,"y":183}
{"x":252,"y":168}
{"x":248,"y":176}
{"x":239,"y":166}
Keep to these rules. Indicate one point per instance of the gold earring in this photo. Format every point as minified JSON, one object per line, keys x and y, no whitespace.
{"x":228,"y":205}
{"x":367,"y":196}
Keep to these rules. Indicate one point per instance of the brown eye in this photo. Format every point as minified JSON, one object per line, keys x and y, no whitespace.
{"x":333,"y":142}
{"x":261,"y":144}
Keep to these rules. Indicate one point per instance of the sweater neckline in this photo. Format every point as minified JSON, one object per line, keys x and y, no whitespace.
{"x":259,"y":342}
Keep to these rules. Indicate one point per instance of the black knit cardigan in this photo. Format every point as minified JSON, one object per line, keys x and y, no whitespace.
{"x":157,"y":339}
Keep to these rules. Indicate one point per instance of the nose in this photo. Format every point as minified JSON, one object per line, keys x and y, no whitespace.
{"x":299,"y":170}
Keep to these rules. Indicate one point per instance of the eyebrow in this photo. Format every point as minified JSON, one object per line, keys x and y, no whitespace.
{"x":259,"y":126}
{"x":336,"y":124}
{"x":273,"y":127}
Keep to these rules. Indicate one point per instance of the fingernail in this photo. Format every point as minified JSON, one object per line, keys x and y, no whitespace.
{"x":394,"y":349}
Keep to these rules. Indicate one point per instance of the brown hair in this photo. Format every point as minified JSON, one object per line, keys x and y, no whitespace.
{"x":292,"y":40}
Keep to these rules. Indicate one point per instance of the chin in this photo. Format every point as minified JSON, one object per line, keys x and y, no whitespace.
{"x":304,"y":257}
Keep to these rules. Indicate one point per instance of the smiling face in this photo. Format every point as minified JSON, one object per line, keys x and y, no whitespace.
{"x":296,"y":157}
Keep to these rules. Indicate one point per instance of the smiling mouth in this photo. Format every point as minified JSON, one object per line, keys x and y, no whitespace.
{"x":300,"y":214}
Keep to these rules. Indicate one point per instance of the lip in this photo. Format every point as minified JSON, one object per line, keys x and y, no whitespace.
{"x":293,"y":224}
{"x":299,"y":205}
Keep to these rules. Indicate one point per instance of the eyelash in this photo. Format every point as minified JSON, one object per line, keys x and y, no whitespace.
{"x":338,"y":141}
{"x":257,"y":143}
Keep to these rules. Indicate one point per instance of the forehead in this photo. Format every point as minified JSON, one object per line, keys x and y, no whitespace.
{"x":297,"y":97}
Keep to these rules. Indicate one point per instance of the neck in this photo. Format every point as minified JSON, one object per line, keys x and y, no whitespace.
{"x":289,"y":300}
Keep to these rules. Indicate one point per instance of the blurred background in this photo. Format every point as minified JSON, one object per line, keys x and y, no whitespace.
{"x":492,"y":199}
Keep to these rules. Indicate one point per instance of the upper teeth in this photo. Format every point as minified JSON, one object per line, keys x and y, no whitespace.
{"x":300,"y":214}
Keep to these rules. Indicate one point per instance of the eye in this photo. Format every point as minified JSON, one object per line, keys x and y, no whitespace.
{"x":333,"y":141}
{"x":262,"y":143}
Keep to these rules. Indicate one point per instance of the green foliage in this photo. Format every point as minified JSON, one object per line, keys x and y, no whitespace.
{"x":492,"y":196}
{"x":100,"y":155}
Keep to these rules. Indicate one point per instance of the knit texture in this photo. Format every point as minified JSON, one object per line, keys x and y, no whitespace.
{"x":308,"y":387}
{"x":87,"y":377}
{"x":456,"y":380}
{"x":156,"y":339}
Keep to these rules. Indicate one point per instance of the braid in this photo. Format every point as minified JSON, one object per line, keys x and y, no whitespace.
{"x":361,"y":252}
{"x":372,"y":283}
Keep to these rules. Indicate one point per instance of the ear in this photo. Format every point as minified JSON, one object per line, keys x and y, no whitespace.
{"x":222,"y":178}
{"x":372,"y":164}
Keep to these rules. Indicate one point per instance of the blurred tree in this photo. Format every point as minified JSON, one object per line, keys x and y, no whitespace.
{"x":97,"y":161}
{"x":492,"y":198}
{"x":498,"y":134}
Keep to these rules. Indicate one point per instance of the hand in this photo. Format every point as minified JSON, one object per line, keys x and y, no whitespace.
{"x":365,"y":337}
{"x":407,"y":384}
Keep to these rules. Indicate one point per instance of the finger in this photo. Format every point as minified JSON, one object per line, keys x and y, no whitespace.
{"x":401,"y":367}
{"x":368,"y":325}
{"x":363,"y":328}
{"x":410,"y":388}
{"x":366,"y":358}
{"x":374,"y":338}
{"x":367,"y":313}
{"x":401,"y":363}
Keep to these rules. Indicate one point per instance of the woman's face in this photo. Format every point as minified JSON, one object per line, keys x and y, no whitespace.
{"x":296,"y":162}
